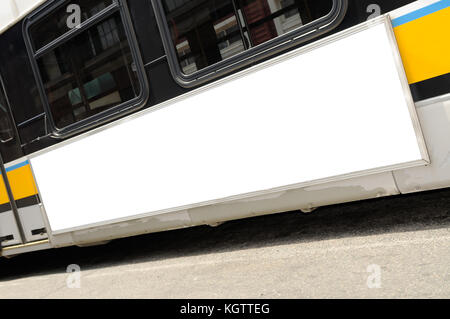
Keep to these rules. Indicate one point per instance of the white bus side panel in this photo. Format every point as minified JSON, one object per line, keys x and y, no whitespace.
{"x":12,"y":11}
{"x":435,"y":119}
{"x":338,"y":111}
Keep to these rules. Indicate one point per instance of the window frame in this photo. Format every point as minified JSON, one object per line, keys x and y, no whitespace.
{"x":34,"y":54}
{"x":264,"y":50}
{"x":9,"y":114}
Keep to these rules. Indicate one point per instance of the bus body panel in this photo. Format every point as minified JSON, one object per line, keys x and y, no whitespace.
{"x":419,"y":27}
{"x":435,"y":120}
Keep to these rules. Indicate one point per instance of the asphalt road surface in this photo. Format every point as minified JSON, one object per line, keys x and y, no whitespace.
{"x":397,"y":247}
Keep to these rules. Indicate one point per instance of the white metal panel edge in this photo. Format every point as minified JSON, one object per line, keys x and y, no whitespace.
{"x":339,"y":111}
{"x":11,"y":11}
{"x":413,"y":6}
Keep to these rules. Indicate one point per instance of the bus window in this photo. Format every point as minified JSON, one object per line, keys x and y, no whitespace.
{"x":203,"y":33}
{"x":86,"y":73}
{"x":55,"y":24}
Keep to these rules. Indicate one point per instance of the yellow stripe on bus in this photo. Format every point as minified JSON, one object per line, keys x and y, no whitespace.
{"x":424,"y":45}
{"x":3,"y":193}
{"x":22,"y":182}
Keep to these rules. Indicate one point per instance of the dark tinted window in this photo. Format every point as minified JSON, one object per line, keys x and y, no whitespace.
{"x":205,"y":32}
{"x":6,"y":128}
{"x":89,"y":73}
{"x":55,"y":24}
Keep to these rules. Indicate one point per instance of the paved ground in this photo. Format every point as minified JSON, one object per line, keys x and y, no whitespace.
{"x":393,"y":247}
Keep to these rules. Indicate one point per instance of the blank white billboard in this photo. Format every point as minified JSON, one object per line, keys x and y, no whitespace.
{"x":336,"y":111}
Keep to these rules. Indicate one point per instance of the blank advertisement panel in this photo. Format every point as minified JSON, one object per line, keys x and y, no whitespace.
{"x":335,"y":109}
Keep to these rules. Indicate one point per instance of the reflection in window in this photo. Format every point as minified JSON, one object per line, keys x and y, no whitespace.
{"x":229,"y":38}
{"x":89,"y":73}
{"x":205,"y":32}
{"x":6,"y":128}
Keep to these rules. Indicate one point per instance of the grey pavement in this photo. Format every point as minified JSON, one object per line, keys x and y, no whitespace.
{"x":395,"y":247}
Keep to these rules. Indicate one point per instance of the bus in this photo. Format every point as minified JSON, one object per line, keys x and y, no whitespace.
{"x":126,"y":117}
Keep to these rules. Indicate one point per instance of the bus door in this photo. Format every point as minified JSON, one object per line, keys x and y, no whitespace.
{"x":21,"y":220}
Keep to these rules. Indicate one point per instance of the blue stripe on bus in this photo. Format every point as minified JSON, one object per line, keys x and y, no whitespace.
{"x":421,"y":13}
{"x":9,"y":169}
